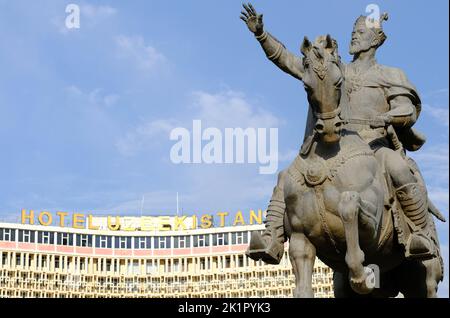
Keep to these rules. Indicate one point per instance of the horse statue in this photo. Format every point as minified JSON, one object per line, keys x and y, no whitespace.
{"x":339,"y":203}
{"x":335,"y":201}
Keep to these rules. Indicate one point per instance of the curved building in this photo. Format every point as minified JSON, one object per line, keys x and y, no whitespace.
{"x":52,"y":261}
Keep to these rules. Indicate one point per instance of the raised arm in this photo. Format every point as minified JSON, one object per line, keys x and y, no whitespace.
{"x":274,"y":49}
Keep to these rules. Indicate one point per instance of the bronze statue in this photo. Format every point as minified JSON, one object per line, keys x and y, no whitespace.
{"x":352,"y":196}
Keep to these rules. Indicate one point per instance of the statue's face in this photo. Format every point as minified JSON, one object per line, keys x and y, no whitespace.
{"x":362,"y":39}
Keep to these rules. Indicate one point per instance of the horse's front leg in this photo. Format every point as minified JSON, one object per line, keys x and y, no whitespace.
{"x":302,"y":254}
{"x":348,"y":208}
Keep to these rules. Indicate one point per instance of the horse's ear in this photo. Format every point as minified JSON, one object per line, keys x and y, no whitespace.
{"x":331,"y":45}
{"x":329,"y":42}
{"x":306,"y":46}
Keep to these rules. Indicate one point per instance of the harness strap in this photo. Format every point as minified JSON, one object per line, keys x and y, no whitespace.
{"x":328,"y":115}
{"x":322,"y":209}
{"x":371,"y":122}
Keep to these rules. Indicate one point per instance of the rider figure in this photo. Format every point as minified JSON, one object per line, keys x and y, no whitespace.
{"x":370,"y":91}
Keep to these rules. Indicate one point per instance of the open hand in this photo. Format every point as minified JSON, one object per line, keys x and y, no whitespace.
{"x":253,"y":20}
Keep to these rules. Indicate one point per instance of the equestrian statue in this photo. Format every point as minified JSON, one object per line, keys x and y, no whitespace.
{"x":352,"y":197}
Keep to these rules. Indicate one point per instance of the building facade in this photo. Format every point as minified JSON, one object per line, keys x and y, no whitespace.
{"x":50,"y":261}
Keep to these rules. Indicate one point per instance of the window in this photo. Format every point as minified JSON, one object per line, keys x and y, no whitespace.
{"x":227,"y":262}
{"x":57,"y":262}
{"x":142,"y":242}
{"x":161,"y":242}
{"x":176,"y":265}
{"x":18,"y":260}
{"x":82,"y":263}
{"x":123,"y":242}
{"x":26,"y":236}
{"x":4,"y":258}
{"x":240,"y":261}
{"x":65,"y":239}
{"x":239,"y":238}
{"x":7,"y":235}
{"x":44,"y":261}
{"x":202,"y":264}
{"x":151,"y":267}
{"x":84,"y":240}
{"x":220,"y":239}
{"x":45,"y":237}
{"x":136,"y":267}
{"x":182,"y":241}
{"x":103,"y":241}
{"x":201,"y":240}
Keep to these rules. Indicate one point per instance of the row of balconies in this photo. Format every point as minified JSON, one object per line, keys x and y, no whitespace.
{"x":261,"y":271}
{"x":84,"y":281}
{"x":134,"y":288}
{"x":286,"y":292}
{"x":71,"y":283}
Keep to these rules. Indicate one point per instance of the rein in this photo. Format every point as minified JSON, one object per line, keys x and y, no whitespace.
{"x":328,"y":115}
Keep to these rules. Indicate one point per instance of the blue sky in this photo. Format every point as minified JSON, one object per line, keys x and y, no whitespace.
{"x":85,"y":114}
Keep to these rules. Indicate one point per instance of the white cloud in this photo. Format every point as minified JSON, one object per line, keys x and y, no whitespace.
{"x":203,"y":186}
{"x":441,"y":114}
{"x":433,"y":162}
{"x":144,"y":135}
{"x":439,"y":196}
{"x":93,"y":12}
{"x":231,"y":109}
{"x":144,"y":56}
{"x":98,"y":98}
{"x":95,"y":97}
{"x":436,"y":93}
{"x":221,"y":110}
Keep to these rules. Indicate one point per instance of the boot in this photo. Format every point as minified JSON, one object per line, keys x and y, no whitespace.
{"x":269,"y":246}
{"x":414,"y":202}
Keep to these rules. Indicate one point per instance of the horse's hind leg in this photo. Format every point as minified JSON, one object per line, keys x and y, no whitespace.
{"x":420,"y":279}
{"x":348,"y":209}
{"x":302,"y":254}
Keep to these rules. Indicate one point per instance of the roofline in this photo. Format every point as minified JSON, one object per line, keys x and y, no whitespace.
{"x":224,"y":229}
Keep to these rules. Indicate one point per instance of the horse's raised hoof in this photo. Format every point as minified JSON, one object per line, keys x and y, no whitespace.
{"x":273,"y":254}
{"x":364,"y":284}
{"x":260,"y":249}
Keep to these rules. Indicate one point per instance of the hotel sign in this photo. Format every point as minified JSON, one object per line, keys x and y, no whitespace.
{"x":143,"y":223}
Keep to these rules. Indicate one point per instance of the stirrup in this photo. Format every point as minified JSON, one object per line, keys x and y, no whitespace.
{"x":429,"y":254}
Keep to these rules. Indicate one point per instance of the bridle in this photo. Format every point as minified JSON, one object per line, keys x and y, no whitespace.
{"x":320,"y":68}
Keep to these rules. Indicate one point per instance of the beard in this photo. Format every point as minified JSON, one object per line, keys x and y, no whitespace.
{"x":354,"y":49}
{"x":358,"y":47}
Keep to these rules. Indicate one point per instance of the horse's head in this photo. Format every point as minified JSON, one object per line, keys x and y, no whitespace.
{"x":322,"y":79}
